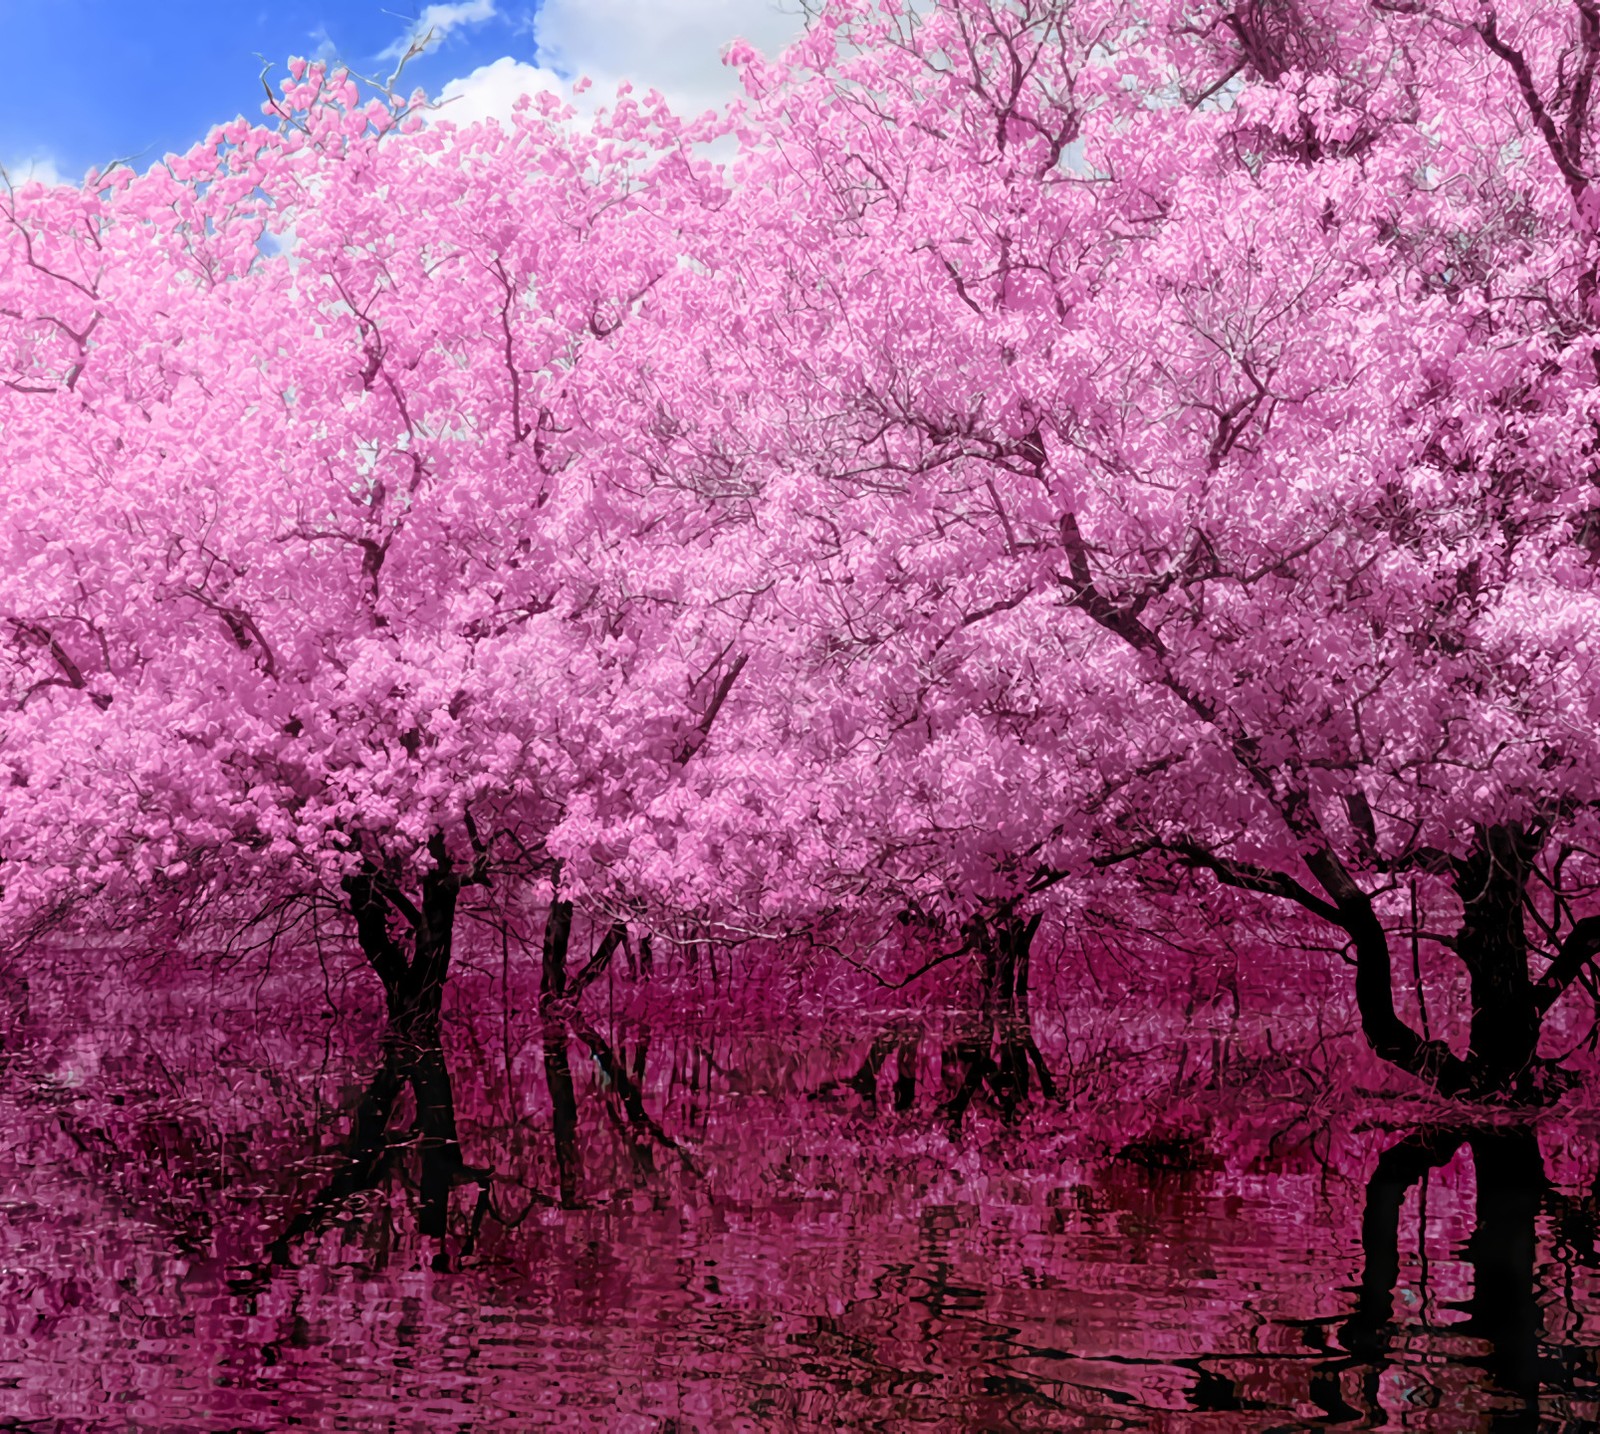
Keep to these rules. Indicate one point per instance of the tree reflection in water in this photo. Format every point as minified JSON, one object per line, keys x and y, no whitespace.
{"x":1502,"y":1310}
{"x":661,"y":1222}
{"x":375,"y":1152}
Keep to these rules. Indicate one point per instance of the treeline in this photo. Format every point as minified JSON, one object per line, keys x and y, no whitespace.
{"x":1073,"y":457}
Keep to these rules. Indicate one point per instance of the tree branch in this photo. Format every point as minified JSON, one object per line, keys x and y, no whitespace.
{"x":697,"y":738}
{"x":1577,"y":951}
{"x":1246,"y":876}
{"x":596,"y":965}
{"x":1577,"y":180}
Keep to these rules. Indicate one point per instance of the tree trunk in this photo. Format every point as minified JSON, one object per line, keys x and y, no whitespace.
{"x":1503,"y":1309}
{"x":1492,"y":943}
{"x":865,"y":1081}
{"x":1005,"y":946}
{"x":372,"y":1151}
{"x":905,"y":1072}
{"x":627,"y":1090}
{"x":1389,"y":1036}
{"x":413,"y":987}
{"x":553,"y":963}
{"x":366,"y":1157}
{"x":563,"y":1109}
{"x":997,"y":1046}
{"x":439,"y":1150}
{"x":418,"y":1009}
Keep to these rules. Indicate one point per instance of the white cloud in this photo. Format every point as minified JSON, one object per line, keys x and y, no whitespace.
{"x":326,"y":51}
{"x":437,"y":21}
{"x":39,"y":166}
{"x":494,"y":89}
{"x":674,"y":46}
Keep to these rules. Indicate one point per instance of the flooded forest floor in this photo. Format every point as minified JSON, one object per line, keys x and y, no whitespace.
{"x":231,"y":1203}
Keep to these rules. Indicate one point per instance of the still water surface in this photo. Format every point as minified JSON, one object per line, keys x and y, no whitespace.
{"x":220,"y":1219}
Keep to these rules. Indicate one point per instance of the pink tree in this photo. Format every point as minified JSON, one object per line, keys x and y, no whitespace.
{"x":328,"y":591}
{"x":1182,"y":430}
{"x":1068,"y":453}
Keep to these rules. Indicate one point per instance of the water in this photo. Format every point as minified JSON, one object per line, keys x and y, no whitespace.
{"x":226,"y":1216}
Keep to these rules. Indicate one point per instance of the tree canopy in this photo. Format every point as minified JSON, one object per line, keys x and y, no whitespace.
{"x":1072,"y":454}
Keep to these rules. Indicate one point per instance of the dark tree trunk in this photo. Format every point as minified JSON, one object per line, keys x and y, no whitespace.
{"x":371,"y":914}
{"x":1005,"y":946}
{"x":418,"y":1009}
{"x":616,"y":937}
{"x":905,"y":1072}
{"x":1504,"y":1308}
{"x":1369,"y":1331}
{"x":997,"y":1046}
{"x":1389,"y":1036}
{"x":865,"y":1081}
{"x":1507,"y":1006}
{"x":366,"y":1158}
{"x":625,"y":1087}
{"x":413,"y":986}
{"x":439,"y":1149}
{"x":563,"y":1110}
{"x":553,"y":963}
{"x":1491,"y":883}
{"x":372,"y":1151}
{"x":901,"y":1042}
{"x":1492,"y":943}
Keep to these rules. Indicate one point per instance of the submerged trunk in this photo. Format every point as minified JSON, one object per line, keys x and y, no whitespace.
{"x":1491,"y":882}
{"x":439,"y":1148}
{"x":1493,"y":945}
{"x":563,"y":1110}
{"x":865,"y":1081}
{"x":373,"y":1150}
{"x":413,"y":981}
{"x":420,"y":1002}
{"x":905,"y":1072}
{"x":901,"y":1041}
{"x":1506,"y":1006}
{"x":1390,"y":1037}
{"x":996,"y":1046}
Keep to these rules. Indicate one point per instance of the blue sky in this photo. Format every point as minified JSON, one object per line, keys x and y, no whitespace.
{"x":95,"y":80}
